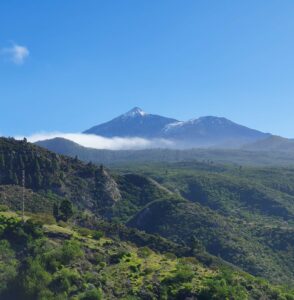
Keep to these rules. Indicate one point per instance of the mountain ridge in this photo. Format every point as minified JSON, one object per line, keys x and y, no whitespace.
{"x":134,"y":123}
{"x":207,"y":131}
{"x":112,"y":157}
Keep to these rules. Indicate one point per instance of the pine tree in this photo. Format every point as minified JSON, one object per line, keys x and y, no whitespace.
{"x":15,"y":179}
{"x":21,"y":163}
{"x":2,"y":161}
{"x":10,"y":177}
{"x":56,"y":211}
{"x":37,"y":175}
{"x":66,"y":210}
{"x":29,"y":180}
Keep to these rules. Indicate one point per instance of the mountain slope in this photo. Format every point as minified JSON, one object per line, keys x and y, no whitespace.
{"x":211,"y":132}
{"x":271,"y":143}
{"x":135,"y":123}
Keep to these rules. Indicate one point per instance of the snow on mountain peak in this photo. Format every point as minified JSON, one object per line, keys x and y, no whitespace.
{"x":136,"y":111}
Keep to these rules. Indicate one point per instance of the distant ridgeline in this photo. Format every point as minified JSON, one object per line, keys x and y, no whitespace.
{"x":228,"y":218}
{"x":263,"y":156}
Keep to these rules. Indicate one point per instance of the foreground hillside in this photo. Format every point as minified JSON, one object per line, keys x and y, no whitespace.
{"x":49,"y":261}
{"x":244,"y":215}
{"x":226,"y":214}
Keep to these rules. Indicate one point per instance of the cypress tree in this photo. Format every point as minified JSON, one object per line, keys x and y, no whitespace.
{"x":66,"y":209}
{"x":2,"y":161}
{"x":15,"y":179}
{"x":56,"y":211}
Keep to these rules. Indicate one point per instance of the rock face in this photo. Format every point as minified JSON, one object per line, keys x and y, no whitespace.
{"x":107,"y":192}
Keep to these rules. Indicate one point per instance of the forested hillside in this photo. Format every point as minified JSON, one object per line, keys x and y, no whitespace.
{"x":230,"y":219}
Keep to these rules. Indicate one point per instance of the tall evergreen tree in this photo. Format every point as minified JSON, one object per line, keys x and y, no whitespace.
{"x":2,"y":161}
{"x":56,"y":211}
{"x":66,"y":210}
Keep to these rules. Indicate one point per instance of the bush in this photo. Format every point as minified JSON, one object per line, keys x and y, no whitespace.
{"x":35,"y":279}
{"x":64,"y":279}
{"x":43,"y":218}
{"x":84,"y":231}
{"x":93,"y":294}
{"x":144,"y":252}
{"x":70,"y":251}
{"x":97,"y":234}
{"x":116,"y":257}
{"x":8,"y":264}
{"x":4,"y":207}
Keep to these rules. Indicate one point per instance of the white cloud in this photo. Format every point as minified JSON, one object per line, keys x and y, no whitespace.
{"x":16,"y":53}
{"x":99,"y":142}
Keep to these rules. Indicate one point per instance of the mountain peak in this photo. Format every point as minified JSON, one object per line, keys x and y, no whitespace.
{"x":200,"y":132}
{"x":136,"y":111}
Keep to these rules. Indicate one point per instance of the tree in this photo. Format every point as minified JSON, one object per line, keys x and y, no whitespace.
{"x":93,"y":294}
{"x":37,"y":174}
{"x":66,"y":210}
{"x":15,"y":179}
{"x":2,"y":161}
{"x":56,"y":211}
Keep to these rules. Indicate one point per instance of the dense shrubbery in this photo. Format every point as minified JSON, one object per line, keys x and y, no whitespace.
{"x":35,"y":267}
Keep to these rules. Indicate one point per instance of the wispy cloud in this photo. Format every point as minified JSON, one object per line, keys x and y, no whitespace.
{"x":98,"y":142}
{"x":16,"y":53}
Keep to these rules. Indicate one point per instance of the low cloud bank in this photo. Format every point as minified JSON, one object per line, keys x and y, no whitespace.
{"x":99,"y":142}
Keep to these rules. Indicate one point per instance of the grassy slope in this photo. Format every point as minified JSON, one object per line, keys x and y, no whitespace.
{"x":70,"y":264}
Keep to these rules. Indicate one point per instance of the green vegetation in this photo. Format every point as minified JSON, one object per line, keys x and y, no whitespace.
{"x":38,"y":262}
{"x":149,"y":231}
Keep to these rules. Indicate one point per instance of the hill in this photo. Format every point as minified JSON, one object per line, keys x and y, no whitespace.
{"x":242,"y":215}
{"x":228,"y":209}
{"x":47,"y":261}
{"x":115,"y":157}
{"x":272,"y":143}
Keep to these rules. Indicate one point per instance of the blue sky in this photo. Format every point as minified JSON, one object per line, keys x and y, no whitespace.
{"x":83,"y":62}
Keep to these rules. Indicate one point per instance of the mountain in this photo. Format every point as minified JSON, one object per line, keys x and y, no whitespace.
{"x":134,"y":123}
{"x":211,"y":132}
{"x":271,"y":143}
{"x":202,"y":132}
